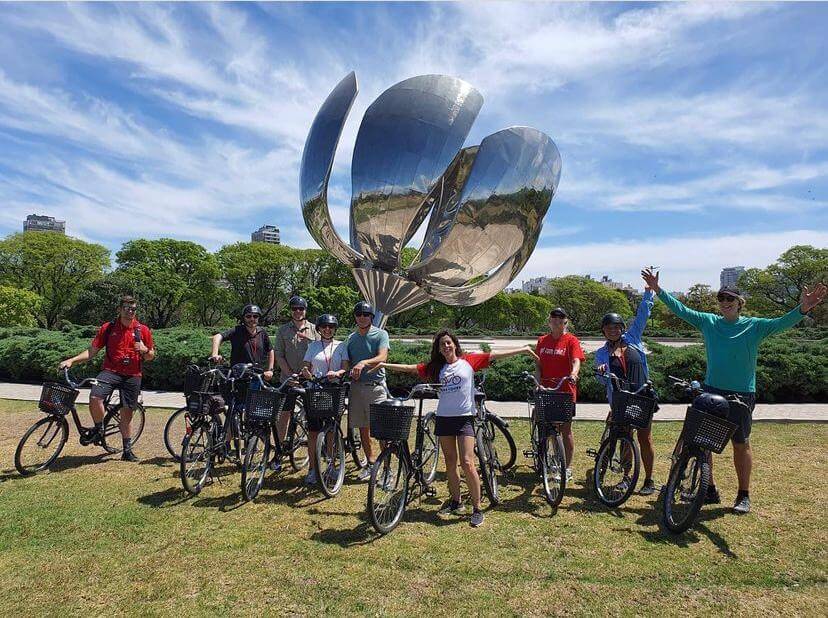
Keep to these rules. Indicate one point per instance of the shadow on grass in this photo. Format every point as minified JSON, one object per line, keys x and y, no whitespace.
{"x":529,"y":500}
{"x":165,"y":498}
{"x":652,"y":517}
{"x":161,"y":462}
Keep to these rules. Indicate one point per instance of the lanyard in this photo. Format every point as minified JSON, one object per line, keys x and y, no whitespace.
{"x":327,"y":358}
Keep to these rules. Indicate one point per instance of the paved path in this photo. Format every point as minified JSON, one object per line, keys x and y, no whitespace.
{"x":792,"y":412}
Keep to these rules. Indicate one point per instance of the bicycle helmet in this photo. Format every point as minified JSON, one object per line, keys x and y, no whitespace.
{"x":297,"y":301}
{"x":254,"y":309}
{"x":558,"y":312}
{"x":327,"y":319}
{"x":712,"y":404}
{"x":363,"y":307}
{"x":612,"y":318}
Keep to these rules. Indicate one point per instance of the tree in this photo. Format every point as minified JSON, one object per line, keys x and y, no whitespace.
{"x":701,"y":298}
{"x":53,"y":266}
{"x":493,"y":314}
{"x":776,"y":289}
{"x":529,"y":313}
{"x":336,"y":299}
{"x":429,"y":316}
{"x":164,"y":274}
{"x":586,"y":301}
{"x":18,"y":307}
{"x":98,"y":301}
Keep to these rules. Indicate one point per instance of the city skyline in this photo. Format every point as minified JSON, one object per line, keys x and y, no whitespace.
{"x":692,"y":135}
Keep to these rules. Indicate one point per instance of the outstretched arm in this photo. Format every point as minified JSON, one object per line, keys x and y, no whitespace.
{"x":527,"y":349}
{"x":691,"y":316}
{"x":397,"y":367}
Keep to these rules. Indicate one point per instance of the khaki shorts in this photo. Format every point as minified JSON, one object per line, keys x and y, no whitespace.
{"x":360,"y":398}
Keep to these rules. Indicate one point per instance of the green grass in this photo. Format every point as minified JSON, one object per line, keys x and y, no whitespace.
{"x":100,"y":536}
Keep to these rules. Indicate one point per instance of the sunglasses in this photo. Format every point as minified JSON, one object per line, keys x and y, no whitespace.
{"x":726,"y":298}
{"x":252,"y":315}
{"x":132,"y":309}
{"x":363,"y":315}
{"x":297,"y":308}
{"x":326,"y":326}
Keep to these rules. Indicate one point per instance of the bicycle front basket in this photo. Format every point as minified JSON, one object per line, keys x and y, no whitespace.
{"x":707,"y":431}
{"x":262,"y":406}
{"x":554,"y":407}
{"x":391,"y":422}
{"x":630,"y":409}
{"x":324,"y":403}
{"x":56,"y":398}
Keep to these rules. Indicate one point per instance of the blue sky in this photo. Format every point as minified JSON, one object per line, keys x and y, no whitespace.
{"x":693,"y":136}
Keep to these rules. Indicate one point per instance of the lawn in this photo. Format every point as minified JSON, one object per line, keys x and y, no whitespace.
{"x":99,"y":535}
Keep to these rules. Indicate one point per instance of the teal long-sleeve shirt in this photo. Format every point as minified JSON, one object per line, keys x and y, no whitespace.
{"x":731,"y":347}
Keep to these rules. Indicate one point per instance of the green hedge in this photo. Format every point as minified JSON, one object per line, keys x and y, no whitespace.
{"x":789,"y":370}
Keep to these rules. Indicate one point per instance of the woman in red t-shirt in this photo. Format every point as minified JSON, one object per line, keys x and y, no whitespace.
{"x":454,"y":371}
{"x":559,"y":356}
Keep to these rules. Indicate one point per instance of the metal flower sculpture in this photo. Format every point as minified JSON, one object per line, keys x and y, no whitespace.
{"x":487,"y":202}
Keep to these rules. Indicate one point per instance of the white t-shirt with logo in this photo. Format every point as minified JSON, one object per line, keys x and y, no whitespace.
{"x":324,"y":357}
{"x":457,"y":384}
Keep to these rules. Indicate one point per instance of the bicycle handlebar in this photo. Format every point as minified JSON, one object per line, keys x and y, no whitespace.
{"x":415,"y":390}
{"x":694,"y":388}
{"x":531,"y":378}
{"x":616,"y":382}
{"x":77,"y":385}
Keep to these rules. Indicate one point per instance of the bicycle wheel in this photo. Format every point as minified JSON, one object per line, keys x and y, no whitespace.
{"x":487,"y":457}
{"x":196,"y":459}
{"x":354,"y":444}
{"x":41,"y":445}
{"x":330,"y":460}
{"x":298,"y":439}
{"x":686,"y":491}
{"x":503,"y":440}
{"x":430,"y":453}
{"x":553,"y":467}
{"x":616,"y":469}
{"x":113,"y":439}
{"x":388,"y":490}
{"x":175,"y":431}
{"x":256,"y":456}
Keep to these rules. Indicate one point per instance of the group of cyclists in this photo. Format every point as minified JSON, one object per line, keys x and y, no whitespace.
{"x":311,"y":350}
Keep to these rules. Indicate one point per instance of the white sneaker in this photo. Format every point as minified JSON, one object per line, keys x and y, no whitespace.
{"x":568,"y":474}
{"x":365,"y":474}
{"x":310,"y":478}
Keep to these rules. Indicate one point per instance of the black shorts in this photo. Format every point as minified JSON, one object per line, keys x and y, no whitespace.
{"x":737,"y":415}
{"x":454,"y":426}
{"x":130,"y":387}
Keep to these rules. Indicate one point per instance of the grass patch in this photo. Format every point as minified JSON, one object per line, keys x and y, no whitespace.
{"x":100,"y":535}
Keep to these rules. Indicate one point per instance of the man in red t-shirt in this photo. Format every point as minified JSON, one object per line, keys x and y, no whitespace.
{"x":559,"y":356}
{"x":127,"y":344}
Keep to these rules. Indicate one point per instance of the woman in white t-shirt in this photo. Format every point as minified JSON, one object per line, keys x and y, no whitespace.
{"x":454,"y":371}
{"x":323,"y":359}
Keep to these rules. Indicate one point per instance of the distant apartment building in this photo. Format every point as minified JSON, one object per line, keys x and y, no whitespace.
{"x":42,"y":223}
{"x":536,"y":284}
{"x":617,"y":285}
{"x":266,"y":233}
{"x":730,"y":275}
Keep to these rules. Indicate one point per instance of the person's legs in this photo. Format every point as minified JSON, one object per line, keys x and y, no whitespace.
{"x":469,"y":465}
{"x":743,"y":462}
{"x":448,"y":444}
{"x":568,"y":441}
{"x":645,"y":441}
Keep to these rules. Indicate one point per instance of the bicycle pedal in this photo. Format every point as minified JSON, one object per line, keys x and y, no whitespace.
{"x":592,"y":453}
{"x":528,"y":454}
{"x":430,"y":491}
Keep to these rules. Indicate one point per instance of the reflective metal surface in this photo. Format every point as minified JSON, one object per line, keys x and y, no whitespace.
{"x":487,"y":202}
{"x":407,"y":138}
{"x":315,"y":169}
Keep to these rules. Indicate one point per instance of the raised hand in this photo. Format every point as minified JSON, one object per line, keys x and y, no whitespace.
{"x":812,"y":296}
{"x":651,"y":279}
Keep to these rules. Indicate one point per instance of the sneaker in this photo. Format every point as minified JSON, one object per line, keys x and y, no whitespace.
{"x":476,"y":519}
{"x":365,"y":473}
{"x":275,"y":465}
{"x":128,"y":455}
{"x":452,"y":508}
{"x":623,"y":486}
{"x":568,"y":474}
{"x":648,"y":488}
{"x":712,"y":495}
{"x":310,"y":478}
{"x":742,"y":506}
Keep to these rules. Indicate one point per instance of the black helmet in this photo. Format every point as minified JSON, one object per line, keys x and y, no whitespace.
{"x":327,"y":319}
{"x":297,"y":301}
{"x":558,"y":312}
{"x":364,"y":307}
{"x":612,"y":318}
{"x":254,"y":309}
{"x":712,"y":404}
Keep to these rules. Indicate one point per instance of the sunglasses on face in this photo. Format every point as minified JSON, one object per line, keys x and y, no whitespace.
{"x":297,"y":308}
{"x":726,"y":298}
{"x":252,"y":315}
{"x":326,"y":326}
{"x":363,"y":315}
{"x":132,"y":309}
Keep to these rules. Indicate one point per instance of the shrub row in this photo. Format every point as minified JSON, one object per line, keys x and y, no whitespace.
{"x":788,"y":371}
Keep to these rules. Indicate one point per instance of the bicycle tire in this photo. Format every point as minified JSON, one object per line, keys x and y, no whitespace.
{"x":298,"y":447}
{"x":177,"y":418}
{"x":330,"y":460}
{"x":430,"y":453}
{"x":256,"y":456}
{"x":553,"y":468}
{"x":196,"y":461}
{"x":499,"y":425}
{"x":611,"y":459}
{"x":53,"y":427}
{"x":388,"y":490}
{"x":488,"y":465}
{"x":354,"y":443}
{"x":693,"y":467}
{"x":113,"y":440}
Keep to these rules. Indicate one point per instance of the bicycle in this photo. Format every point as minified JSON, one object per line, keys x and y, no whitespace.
{"x":51,"y":433}
{"x":485,"y":446}
{"x":325,"y":401}
{"x":499,"y":427}
{"x":702,"y":434}
{"x":618,"y":458}
{"x":209,"y":440}
{"x":262,"y":408}
{"x":397,"y":467}
{"x":196,"y":379}
{"x":548,"y":410}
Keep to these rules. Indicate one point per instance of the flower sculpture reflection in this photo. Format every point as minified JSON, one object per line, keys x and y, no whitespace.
{"x":486,"y":202}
